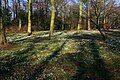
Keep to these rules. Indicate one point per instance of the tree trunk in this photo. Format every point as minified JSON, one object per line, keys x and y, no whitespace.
{"x":88,"y":15}
{"x":15,"y":7}
{"x":102,"y":34}
{"x":80,"y":16}
{"x":29,"y":18}
{"x":46,"y":9}
{"x":52,"y":18}
{"x":20,"y":22}
{"x":63,"y":16}
{"x":3,"y":40}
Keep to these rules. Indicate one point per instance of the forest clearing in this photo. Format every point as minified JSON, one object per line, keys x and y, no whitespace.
{"x":66,"y":55}
{"x":59,"y":39}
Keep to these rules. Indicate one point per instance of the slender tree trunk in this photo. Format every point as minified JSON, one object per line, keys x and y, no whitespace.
{"x":88,"y":14}
{"x":99,"y":28}
{"x":104,"y":12}
{"x":46,"y":12}
{"x":20,"y":22}
{"x":52,"y":18}
{"x":80,"y":16}
{"x":15,"y":7}
{"x":102,"y":34}
{"x":38,"y":18}
{"x":29,"y":18}
{"x":63,"y":15}
{"x":3,"y":40}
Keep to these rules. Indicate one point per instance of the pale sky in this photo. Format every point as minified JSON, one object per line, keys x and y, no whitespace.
{"x":117,"y":1}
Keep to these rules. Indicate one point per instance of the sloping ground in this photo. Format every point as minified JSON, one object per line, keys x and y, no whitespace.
{"x":65,"y":56}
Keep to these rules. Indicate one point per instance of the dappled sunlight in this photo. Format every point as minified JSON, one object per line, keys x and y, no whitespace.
{"x":59,"y":40}
{"x":62,"y":68}
{"x":66,"y":55}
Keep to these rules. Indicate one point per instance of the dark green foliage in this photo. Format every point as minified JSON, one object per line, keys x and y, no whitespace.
{"x":22,"y":15}
{"x":6,"y":17}
{"x":40,"y":21}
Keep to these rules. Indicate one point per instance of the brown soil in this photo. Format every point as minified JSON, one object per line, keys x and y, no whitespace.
{"x":16,"y":29}
{"x":7,"y":46}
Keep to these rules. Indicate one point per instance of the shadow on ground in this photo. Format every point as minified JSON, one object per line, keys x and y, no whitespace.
{"x":98,"y":69}
{"x":8,"y":62}
{"x":40,"y":68}
{"x":89,"y":63}
{"x":91,"y":69}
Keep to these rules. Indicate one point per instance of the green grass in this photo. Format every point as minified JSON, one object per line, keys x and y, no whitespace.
{"x":65,"y":56}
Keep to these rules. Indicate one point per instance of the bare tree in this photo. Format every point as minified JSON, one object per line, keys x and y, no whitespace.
{"x":3,"y":40}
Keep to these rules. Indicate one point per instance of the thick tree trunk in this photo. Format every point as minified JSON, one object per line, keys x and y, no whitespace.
{"x":52,"y":18}
{"x":3,"y":40}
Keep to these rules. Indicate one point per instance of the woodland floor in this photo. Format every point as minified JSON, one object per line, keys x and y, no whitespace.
{"x":67,"y":55}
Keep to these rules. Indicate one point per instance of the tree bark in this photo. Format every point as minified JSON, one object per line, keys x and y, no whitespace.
{"x":88,"y":15}
{"x":63,"y":15}
{"x":80,"y":16}
{"x":20,"y":22}
{"x":3,"y":40}
{"x":29,"y":18}
{"x":52,"y":18}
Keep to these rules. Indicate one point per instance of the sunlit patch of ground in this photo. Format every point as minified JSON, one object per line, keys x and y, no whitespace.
{"x":65,"y":56}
